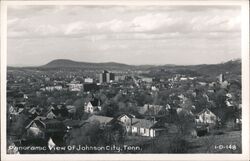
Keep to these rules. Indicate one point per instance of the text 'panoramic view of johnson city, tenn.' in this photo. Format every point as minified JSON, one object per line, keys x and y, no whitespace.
{"x":123,"y":79}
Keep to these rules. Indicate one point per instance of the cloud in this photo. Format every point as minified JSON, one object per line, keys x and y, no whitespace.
{"x":74,"y":28}
{"x":82,"y":20}
{"x":151,"y":22}
{"x":161,"y":34}
{"x":216,"y":23}
{"x":114,"y":26}
{"x":46,"y":29}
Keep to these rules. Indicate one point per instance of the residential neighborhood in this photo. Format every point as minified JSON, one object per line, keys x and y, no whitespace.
{"x":128,"y":107}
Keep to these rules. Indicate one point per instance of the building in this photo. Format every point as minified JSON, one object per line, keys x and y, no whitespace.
{"x":51,"y":114}
{"x":206,"y":117}
{"x":221,"y":78}
{"x":92,"y":106}
{"x":147,"y":80}
{"x":119,"y":78}
{"x":41,"y":127}
{"x":126,"y":119}
{"x":88,"y":80}
{"x":53,"y":88}
{"x":35,"y":129}
{"x":75,"y":86}
{"x":103,"y":120}
{"x":149,"y":109}
{"x":106,"y":77}
{"x":141,"y":127}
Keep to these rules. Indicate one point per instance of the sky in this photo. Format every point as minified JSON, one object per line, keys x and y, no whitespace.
{"x":157,"y":35}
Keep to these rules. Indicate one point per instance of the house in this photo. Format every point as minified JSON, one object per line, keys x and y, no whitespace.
{"x":14,"y":113}
{"x":141,"y":127}
{"x":147,"y":80}
{"x":35,"y":129}
{"x":50,"y":114}
{"x":34,"y":112}
{"x":15,"y":110}
{"x":53,"y":88}
{"x":88,"y":80}
{"x":75,"y":86}
{"x":92,"y":106}
{"x":206,"y":117}
{"x":20,"y":107}
{"x":149,"y":109}
{"x":126,"y":119}
{"x":12,"y":110}
{"x":103,"y":120}
{"x":41,"y":127}
{"x":183,"y":79}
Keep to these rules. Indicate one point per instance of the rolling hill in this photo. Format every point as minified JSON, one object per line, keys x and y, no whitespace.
{"x":65,"y":63}
{"x":233,"y":66}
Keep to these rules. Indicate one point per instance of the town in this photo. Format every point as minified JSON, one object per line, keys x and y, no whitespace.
{"x":158,"y":109}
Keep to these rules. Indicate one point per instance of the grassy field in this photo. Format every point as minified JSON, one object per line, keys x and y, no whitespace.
{"x":214,"y":142}
{"x":226,"y":142}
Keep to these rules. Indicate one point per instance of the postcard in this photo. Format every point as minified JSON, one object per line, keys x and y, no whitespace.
{"x":125,"y":80}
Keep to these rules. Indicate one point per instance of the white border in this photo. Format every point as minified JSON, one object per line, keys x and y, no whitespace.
{"x":245,"y":86}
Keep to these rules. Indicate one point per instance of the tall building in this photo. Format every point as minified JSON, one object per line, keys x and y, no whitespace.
{"x":221,"y":78}
{"x":106,"y":77}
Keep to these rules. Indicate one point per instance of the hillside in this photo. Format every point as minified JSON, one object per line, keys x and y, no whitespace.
{"x":65,"y":63}
{"x":233,"y":67}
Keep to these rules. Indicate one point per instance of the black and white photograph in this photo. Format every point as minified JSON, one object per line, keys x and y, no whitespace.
{"x":124,"y":79}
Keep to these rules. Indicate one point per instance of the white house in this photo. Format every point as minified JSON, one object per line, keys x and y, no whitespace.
{"x":147,"y":80}
{"x":126,"y":119}
{"x":206,"y":117}
{"x":53,"y":88}
{"x":88,"y":80}
{"x":75,"y":86}
{"x":140,"y":127}
{"x":183,"y":79}
{"x":92,"y":106}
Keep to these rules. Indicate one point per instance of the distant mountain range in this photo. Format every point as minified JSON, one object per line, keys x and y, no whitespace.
{"x":66,"y":63}
{"x":233,"y":66}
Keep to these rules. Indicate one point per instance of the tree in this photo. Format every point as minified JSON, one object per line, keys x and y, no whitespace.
{"x":114,"y":133}
{"x":51,"y":100}
{"x":69,"y":102}
{"x":185,"y":120}
{"x":79,"y":103}
{"x":88,"y":134}
{"x":18,"y":127}
{"x":79,"y":113}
